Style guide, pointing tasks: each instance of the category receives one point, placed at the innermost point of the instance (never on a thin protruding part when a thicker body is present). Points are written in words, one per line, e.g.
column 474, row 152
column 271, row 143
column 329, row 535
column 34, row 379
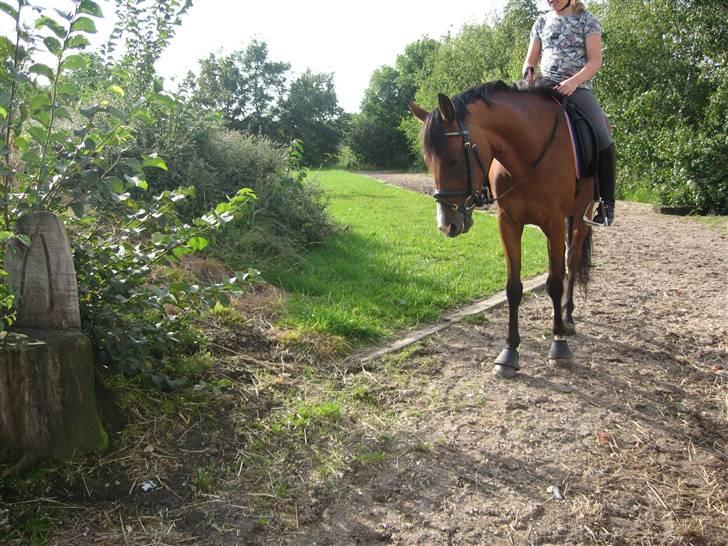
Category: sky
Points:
column 350, row 39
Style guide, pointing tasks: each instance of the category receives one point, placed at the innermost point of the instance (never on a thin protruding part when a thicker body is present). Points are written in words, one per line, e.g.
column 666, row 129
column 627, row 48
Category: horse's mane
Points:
column 433, row 135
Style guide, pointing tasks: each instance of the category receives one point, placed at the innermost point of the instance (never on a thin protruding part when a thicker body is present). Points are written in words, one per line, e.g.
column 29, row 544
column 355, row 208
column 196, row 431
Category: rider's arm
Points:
column 532, row 58
column 593, row 44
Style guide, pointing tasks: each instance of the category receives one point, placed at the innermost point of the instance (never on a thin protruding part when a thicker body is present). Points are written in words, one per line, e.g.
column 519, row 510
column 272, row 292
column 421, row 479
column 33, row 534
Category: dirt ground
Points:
column 629, row 446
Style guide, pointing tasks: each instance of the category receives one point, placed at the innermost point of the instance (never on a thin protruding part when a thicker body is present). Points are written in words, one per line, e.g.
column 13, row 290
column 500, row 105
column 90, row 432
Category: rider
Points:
column 567, row 39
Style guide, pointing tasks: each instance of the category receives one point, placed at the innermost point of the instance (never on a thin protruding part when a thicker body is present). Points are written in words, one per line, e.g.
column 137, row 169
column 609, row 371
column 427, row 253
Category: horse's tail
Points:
column 584, row 267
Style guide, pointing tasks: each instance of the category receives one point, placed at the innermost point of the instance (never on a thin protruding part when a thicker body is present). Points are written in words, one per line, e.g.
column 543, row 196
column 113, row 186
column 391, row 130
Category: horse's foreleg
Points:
column 506, row 364
column 559, row 352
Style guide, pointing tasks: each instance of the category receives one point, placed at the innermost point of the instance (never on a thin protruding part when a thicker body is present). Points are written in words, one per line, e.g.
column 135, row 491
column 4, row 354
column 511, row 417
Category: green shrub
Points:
column 347, row 159
column 288, row 214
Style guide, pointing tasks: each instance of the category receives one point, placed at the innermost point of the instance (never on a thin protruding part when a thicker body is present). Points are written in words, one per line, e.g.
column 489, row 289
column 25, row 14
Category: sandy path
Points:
column 634, row 436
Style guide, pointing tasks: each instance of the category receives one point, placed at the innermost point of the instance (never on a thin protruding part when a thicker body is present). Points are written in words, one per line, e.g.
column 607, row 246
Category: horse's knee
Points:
column 514, row 292
column 555, row 287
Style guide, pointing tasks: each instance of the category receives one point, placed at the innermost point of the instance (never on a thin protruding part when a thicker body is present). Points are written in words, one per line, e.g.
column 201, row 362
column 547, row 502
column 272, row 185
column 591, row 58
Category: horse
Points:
column 510, row 146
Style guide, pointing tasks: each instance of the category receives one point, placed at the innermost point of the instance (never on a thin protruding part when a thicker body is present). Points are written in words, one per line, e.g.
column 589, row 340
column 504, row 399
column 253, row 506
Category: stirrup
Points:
column 602, row 207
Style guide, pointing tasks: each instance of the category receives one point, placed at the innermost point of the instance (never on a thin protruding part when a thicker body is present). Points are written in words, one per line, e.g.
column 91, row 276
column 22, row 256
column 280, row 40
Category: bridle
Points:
column 484, row 196
column 474, row 198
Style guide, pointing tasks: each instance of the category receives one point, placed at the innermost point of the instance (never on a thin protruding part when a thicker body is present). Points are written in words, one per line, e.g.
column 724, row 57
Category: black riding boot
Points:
column 607, row 179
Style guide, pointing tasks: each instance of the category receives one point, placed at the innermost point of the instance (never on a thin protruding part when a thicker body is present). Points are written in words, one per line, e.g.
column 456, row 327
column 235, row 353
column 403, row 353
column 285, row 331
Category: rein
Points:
column 484, row 197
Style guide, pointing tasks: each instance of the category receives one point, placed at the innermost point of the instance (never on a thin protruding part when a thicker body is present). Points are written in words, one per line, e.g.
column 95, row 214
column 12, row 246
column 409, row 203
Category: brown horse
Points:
column 516, row 139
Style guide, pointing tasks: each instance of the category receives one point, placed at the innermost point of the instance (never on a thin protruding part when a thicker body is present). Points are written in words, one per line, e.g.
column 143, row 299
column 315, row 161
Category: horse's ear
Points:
column 418, row 112
column 447, row 108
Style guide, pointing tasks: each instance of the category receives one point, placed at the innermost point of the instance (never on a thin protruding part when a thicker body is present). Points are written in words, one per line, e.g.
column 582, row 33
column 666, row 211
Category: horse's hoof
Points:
column 504, row 372
column 560, row 354
column 506, row 365
column 569, row 328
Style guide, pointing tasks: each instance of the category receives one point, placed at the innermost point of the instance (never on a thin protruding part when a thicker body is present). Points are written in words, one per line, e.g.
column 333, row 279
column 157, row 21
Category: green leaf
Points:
column 38, row 133
column 75, row 61
column 30, row 157
column 143, row 116
column 154, row 161
column 90, row 7
column 180, row 251
column 77, row 41
column 39, row 102
column 114, row 184
column 137, row 182
column 43, row 70
column 24, row 239
column 116, row 89
column 90, row 143
column 162, row 100
column 197, row 243
column 5, row 235
column 77, row 208
column 52, row 25
column 133, row 164
column 115, row 112
column 53, row 45
column 69, row 90
column 83, row 24
column 10, row 10
column 64, row 14
column 89, row 112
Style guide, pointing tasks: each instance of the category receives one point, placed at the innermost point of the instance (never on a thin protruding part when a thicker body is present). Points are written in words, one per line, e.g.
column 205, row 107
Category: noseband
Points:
column 482, row 197
column 474, row 198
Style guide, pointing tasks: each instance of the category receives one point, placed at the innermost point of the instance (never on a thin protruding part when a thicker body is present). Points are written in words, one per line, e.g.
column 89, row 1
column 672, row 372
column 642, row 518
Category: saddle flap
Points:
column 583, row 142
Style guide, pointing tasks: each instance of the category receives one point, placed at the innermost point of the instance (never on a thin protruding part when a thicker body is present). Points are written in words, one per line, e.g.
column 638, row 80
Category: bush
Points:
column 288, row 213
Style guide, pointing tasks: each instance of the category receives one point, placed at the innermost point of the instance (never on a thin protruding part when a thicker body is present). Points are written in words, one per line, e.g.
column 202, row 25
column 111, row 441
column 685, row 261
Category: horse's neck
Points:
column 519, row 127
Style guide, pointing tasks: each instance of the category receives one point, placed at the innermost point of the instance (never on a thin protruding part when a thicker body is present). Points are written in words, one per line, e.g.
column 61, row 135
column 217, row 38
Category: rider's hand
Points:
column 529, row 74
column 567, row 87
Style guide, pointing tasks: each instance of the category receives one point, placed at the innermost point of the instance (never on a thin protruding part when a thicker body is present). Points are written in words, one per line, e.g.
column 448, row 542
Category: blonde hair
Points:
column 579, row 6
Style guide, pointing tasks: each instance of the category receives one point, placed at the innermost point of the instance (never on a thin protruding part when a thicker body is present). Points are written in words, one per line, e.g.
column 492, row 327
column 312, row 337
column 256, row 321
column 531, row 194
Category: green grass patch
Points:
column 390, row 268
column 720, row 222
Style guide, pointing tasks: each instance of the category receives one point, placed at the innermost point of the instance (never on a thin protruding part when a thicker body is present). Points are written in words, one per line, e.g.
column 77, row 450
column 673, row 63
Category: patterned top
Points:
column 563, row 43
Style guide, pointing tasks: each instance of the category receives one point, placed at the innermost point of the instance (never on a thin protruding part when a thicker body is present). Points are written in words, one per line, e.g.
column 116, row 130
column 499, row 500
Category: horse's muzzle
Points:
column 453, row 223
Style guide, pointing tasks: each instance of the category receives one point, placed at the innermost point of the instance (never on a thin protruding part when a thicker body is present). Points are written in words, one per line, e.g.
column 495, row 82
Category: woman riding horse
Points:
column 568, row 42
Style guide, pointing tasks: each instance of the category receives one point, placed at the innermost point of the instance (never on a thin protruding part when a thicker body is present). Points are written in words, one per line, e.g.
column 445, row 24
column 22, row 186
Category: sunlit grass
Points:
column 390, row 268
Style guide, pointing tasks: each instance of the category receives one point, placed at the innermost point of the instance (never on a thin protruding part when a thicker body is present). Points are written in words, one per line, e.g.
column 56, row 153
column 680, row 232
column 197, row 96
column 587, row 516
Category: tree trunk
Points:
column 47, row 395
column 47, row 391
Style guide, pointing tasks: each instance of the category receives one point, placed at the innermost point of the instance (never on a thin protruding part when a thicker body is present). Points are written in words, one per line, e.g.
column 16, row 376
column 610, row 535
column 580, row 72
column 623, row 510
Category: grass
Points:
column 390, row 268
column 719, row 222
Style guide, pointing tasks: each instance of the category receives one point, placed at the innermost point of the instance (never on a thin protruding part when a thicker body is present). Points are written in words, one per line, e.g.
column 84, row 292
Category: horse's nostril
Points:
column 452, row 229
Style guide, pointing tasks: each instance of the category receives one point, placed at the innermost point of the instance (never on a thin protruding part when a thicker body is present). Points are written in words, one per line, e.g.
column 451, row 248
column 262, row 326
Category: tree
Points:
column 73, row 159
column 311, row 113
column 664, row 86
column 145, row 27
column 245, row 86
column 375, row 136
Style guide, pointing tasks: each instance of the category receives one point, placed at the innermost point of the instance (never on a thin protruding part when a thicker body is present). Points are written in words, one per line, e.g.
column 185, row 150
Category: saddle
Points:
column 583, row 142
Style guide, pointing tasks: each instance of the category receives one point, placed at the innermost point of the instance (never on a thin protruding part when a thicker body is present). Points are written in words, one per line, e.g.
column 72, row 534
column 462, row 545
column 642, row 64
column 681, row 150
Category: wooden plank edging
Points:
column 448, row 319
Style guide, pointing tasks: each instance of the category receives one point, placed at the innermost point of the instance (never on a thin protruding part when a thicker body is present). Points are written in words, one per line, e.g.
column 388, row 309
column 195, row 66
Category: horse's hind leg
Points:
column 578, row 252
column 506, row 364
column 559, row 353
column 577, row 257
